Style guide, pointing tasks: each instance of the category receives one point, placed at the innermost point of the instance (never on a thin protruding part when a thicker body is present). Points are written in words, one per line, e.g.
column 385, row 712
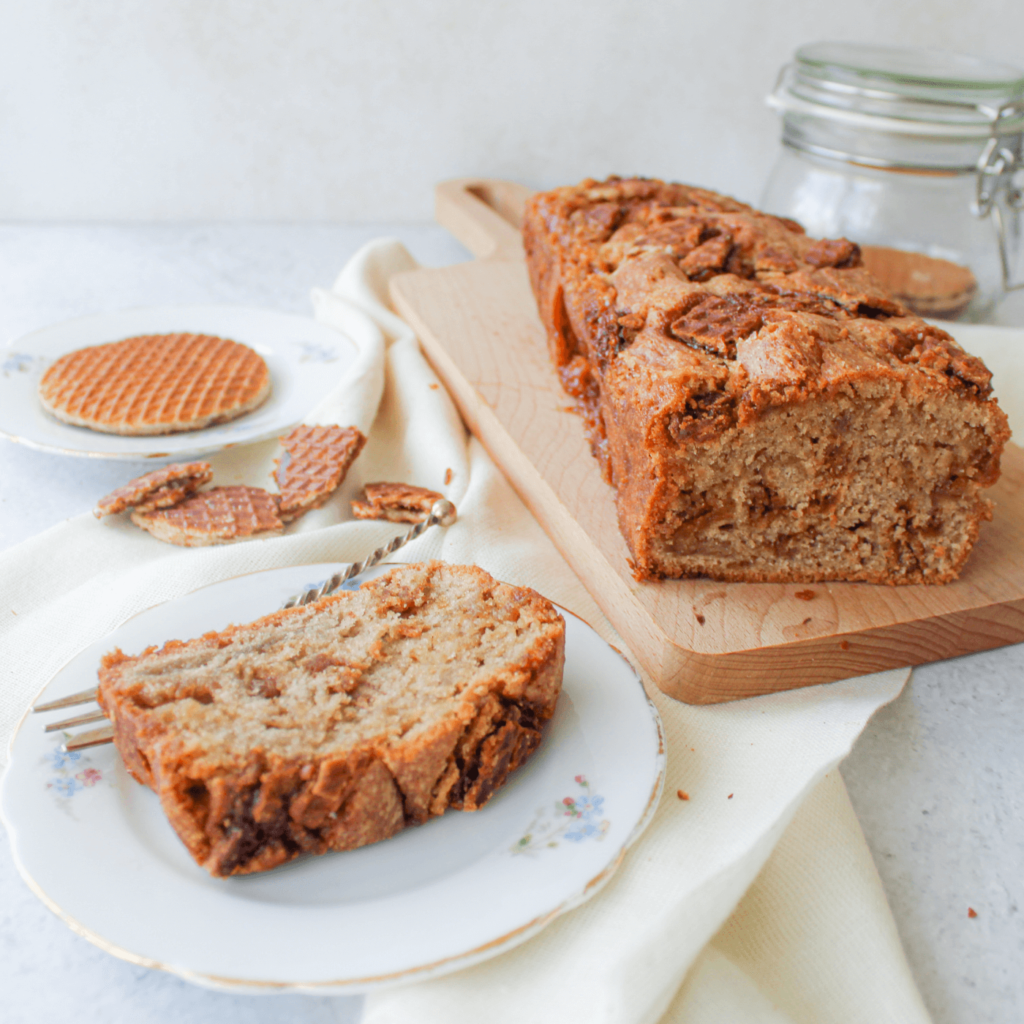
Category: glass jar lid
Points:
column 936, row 115
column 903, row 91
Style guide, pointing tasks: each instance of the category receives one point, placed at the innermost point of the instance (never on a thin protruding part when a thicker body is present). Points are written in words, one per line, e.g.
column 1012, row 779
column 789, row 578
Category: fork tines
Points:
column 82, row 697
column 92, row 738
column 70, row 723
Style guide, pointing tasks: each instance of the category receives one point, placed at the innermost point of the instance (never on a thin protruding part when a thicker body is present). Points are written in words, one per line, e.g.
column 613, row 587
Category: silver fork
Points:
column 442, row 513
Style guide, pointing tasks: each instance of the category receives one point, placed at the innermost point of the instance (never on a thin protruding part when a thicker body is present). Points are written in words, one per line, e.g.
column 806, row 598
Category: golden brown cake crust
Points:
column 303, row 747
column 707, row 344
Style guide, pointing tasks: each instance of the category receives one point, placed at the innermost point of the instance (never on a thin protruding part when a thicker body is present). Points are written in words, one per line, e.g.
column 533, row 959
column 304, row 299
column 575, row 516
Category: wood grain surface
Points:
column 702, row 641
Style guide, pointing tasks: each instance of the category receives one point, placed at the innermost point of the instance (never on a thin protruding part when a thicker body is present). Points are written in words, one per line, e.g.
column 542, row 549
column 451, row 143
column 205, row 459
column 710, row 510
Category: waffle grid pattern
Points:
column 158, row 383
column 318, row 460
column 215, row 516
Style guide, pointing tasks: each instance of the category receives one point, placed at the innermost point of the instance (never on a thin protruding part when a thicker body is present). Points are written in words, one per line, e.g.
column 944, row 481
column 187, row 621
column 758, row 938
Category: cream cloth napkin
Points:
column 812, row 940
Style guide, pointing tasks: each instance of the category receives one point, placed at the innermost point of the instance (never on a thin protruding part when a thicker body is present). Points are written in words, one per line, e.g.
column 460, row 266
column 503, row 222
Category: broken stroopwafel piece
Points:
column 155, row 384
column 218, row 516
column 399, row 503
column 316, row 462
column 159, row 489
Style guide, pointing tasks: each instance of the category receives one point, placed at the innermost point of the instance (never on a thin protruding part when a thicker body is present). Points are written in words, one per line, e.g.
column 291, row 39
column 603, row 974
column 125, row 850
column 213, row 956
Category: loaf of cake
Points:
column 763, row 408
column 337, row 724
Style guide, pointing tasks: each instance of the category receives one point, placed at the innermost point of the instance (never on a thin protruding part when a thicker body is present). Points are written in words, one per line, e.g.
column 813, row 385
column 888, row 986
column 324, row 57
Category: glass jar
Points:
column 917, row 156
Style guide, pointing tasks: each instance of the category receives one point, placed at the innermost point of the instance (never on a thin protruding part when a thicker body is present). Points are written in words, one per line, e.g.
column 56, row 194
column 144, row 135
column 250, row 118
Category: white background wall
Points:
column 352, row 109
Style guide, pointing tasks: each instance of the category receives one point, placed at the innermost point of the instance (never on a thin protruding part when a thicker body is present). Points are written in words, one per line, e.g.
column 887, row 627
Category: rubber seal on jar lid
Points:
column 902, row 91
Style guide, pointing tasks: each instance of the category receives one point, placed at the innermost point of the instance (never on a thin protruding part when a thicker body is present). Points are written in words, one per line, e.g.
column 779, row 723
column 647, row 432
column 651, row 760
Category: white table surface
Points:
column 937, row 778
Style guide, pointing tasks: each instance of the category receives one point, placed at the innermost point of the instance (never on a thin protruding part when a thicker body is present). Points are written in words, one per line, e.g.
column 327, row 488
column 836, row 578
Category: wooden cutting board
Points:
column 700, row 640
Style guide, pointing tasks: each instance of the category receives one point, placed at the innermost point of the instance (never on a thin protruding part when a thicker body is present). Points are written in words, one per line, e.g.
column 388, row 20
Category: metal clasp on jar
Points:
column 999, row 168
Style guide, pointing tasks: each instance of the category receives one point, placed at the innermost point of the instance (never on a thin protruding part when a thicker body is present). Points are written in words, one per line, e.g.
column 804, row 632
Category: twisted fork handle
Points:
column 442, row 513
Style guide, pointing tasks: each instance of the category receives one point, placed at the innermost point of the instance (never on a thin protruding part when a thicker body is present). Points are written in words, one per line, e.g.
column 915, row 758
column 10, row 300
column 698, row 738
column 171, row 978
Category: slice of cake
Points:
column 337, row 724
column 763, row 408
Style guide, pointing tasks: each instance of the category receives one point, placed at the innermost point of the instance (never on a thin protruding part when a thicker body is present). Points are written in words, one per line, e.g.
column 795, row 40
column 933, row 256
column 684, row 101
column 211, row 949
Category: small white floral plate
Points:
column 306, row 359
column 96, row 848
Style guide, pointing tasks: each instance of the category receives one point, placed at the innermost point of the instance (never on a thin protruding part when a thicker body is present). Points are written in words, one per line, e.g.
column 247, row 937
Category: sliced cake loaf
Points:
column 764, row 410
column 337, row 724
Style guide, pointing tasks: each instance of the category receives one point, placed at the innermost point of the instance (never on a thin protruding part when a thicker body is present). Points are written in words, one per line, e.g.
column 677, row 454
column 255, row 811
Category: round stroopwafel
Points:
column 155, row 384
column 318, row 459
column 929, row 286
column 218, row 516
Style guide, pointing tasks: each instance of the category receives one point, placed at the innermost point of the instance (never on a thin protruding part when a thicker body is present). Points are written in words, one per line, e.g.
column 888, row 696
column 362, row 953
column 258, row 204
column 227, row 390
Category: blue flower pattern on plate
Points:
column 316, row 353
column 61, row 758
column 574, row 818
column 586, row 813
column 71, row 772
column 16, row 362
column 65, row 787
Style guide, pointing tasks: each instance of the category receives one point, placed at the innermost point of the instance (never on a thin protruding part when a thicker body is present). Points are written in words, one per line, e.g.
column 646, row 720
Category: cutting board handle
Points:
column 484, row 214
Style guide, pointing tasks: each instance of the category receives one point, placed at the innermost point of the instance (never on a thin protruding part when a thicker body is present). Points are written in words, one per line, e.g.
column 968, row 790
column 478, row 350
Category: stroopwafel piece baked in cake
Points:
column 337, row 724
column 763, row 408
column 155, row 384
column 220, row 515
column 315, row 463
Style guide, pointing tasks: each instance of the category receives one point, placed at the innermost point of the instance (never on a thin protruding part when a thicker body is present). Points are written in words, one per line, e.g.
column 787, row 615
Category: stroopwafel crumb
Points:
column 399, row 503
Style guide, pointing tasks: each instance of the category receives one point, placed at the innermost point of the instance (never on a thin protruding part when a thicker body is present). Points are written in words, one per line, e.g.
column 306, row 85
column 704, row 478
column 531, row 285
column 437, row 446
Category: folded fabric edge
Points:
column 813, row 936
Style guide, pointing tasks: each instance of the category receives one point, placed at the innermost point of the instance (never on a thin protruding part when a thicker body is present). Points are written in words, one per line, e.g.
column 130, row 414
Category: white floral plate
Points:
column 96, row 848
column 306, row 359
